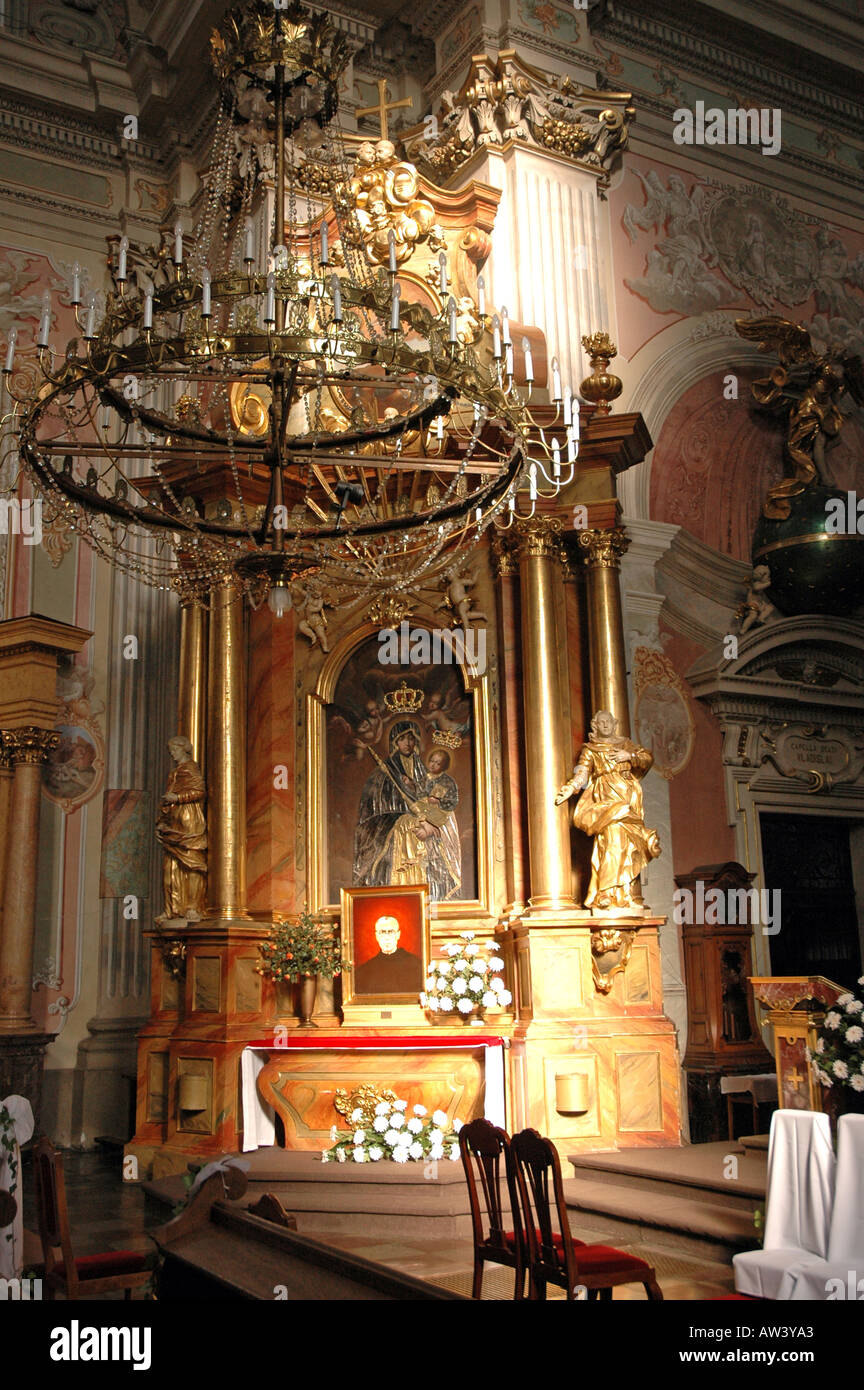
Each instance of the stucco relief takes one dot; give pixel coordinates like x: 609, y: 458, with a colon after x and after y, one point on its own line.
x: 716, y: 242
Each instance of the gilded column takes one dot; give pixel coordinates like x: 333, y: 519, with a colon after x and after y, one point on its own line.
x: 192, y: 694
x: 547, y: 738
x: 512, y: 721
x: 226, y: 753
x: 26, y: 749
x: 602, y: 551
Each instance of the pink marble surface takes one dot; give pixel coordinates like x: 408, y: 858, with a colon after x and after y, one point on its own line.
x: 271, y: 743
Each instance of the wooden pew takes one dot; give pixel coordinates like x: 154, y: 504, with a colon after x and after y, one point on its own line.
x: 214, y: 1250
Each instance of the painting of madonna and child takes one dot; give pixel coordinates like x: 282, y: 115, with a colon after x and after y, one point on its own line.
x: 401, y: 781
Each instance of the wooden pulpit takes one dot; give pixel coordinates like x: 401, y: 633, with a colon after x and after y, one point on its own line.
x: 722, y: 1036
x: 797, y: 1005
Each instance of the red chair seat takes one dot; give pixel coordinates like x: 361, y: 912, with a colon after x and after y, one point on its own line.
x: 605, y: 1259
x: 104, y: 1266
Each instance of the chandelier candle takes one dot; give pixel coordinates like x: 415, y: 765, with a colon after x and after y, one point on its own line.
x: 529, y: 361
x: 394, y: 308
x: 481, y: 296
x: 76, y: 285
x: 121, y: 260
x: 505, y: 327
x: 206, y: 310
x: 249, y: 241
x: 556, y: 382
x: 442, y: 267
x: 178, y: 243
x: 10, y: 350
x: 147, y: 316
x: 325, y: 245
x: 44, y: 336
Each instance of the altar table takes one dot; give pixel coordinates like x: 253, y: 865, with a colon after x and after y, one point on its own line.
x: 318, y: 1065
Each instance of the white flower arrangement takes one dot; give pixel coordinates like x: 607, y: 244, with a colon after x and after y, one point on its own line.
x: 384, y: 1133
x: 467, y: 981
x: 838, y: 1057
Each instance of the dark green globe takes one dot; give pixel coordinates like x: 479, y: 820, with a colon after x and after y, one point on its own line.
x: 812, y: 570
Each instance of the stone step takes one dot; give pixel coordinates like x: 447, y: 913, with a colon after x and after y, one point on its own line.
x: 719, y: 1172
x: 706, y: 1230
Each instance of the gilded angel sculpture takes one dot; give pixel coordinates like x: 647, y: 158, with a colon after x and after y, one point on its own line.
x: 608, y: 774
x: 809, y: 388
x: 181, y: 829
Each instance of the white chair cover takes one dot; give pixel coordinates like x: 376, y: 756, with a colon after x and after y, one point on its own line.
x: 12, y: 1251
x: 845, y: 1259
x: 800, y: 1195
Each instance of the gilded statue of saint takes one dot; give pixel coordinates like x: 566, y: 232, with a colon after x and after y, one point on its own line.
x: 181, y: 829
x: 608, y: 773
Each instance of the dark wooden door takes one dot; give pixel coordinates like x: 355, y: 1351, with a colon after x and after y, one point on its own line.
x: 808, y: 858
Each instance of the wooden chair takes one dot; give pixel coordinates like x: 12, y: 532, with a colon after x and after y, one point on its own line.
x: 86, y: 1276
x: 482, y: 1147
x: 554, y: 1257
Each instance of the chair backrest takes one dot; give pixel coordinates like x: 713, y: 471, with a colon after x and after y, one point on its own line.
x: 538, y: 1172
x: 483, y: 1146
x: 800, y: 1195
x: 51, y: 1207
x: 846, y: 1240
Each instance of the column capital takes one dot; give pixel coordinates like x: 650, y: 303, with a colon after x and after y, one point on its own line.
x: 603, y: 549
x: 504, y: 555
x: 538, y: 537
x: 29, y: 744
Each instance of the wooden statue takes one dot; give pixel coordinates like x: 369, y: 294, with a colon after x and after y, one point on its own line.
x: 181, y: 829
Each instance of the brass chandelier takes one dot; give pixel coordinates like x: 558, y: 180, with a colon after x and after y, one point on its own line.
x: 222, y: 414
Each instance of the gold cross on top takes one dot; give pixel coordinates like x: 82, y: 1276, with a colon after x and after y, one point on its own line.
x: 383, y: 107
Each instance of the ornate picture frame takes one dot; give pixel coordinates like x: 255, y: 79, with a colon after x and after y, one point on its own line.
x: 386, y: 947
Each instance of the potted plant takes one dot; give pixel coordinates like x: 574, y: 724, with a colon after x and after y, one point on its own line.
x: 838, y: 1057
x: 465, y: 983
x: 301, y: 952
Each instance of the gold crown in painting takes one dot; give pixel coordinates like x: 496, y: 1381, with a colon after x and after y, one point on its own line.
x: 447, y: 739
x: 405, y: 700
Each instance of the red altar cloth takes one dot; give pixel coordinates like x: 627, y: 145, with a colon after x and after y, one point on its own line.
x: 379, y: 1041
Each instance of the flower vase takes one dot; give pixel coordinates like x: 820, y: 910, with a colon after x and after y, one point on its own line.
x: 475, y: 1016
x: 308, y: 993
x: 286, y: 999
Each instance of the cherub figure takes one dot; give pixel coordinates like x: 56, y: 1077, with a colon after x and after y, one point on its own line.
x: 459, y: 599
x: 757, y: 607
x: 808, y: 388
x: 309, y: 602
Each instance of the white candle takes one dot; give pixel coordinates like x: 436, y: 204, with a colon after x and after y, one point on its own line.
x: 206, y: 310
x: 568, y: 405
x: 76, y: 284
x: 556, y: 459
x: 10, y: 349
x: 249, y: 242
x: 481, y: 295
x: 394, y: 308
x: 572, y: 445
x: 178, y: 243
x: 121, y: 259
x: 325, y: 245
x: 529, y: 361
x: 391, y: 248
x: 45, y: 321
x: 442, y: 266
x: 496, y: 337
x: 270, y: 303
x: 147, y: 317
x: 452, y: 335
x: 478, y: 515
x: 532, y: 482
x: 439, y: 427
x: 508, y: 359
x: 90, y: 325
x: 556, y: 381
x: 337, y: 298
x: 505, y: 327
x: 575, y: 422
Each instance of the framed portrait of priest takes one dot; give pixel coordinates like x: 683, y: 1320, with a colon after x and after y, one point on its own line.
x: 386, y: 947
